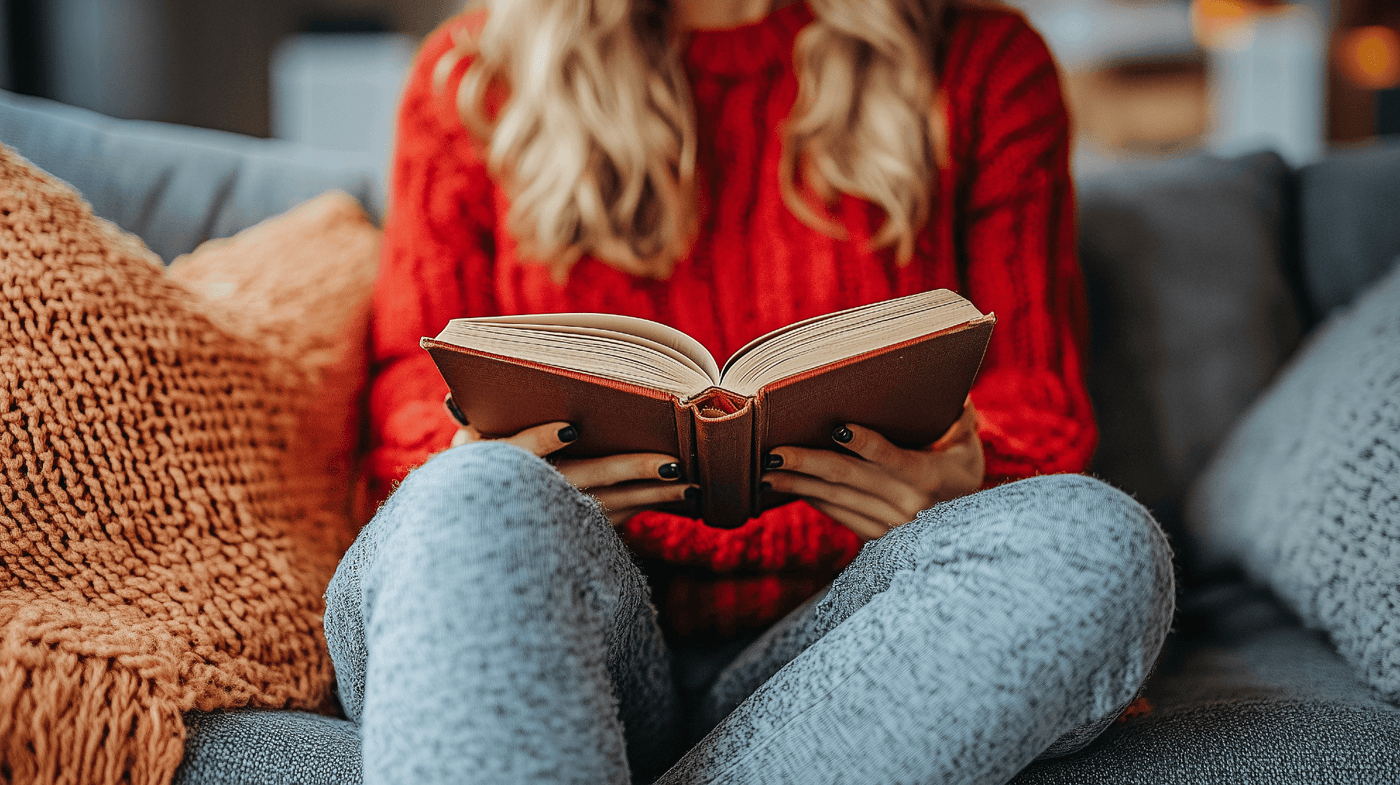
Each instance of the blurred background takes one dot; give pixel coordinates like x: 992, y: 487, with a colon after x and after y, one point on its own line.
x: 1145, y: 78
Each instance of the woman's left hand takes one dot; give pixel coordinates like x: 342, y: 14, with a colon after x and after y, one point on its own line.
x: 886, y: 486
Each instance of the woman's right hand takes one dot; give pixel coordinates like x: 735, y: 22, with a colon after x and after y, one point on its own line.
x: 625, y: 484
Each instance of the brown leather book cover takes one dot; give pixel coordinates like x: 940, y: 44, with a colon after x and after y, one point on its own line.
x: 911, y: 392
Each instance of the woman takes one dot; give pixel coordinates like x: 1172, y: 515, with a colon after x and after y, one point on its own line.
x: 729, y: 167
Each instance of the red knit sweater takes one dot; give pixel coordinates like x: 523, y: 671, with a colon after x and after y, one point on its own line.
x: 1002, y: 233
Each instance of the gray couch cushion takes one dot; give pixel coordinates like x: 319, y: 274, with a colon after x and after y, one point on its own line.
x: 1190, y: 311
x: 175, y: 186
x: 263, y: 747
x: 1305, y: 493
x: 1349, y: 222
x: 1257, y: 700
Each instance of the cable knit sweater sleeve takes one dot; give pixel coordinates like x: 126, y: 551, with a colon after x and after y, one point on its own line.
x: 439, y: 233
x: 1017, y: 219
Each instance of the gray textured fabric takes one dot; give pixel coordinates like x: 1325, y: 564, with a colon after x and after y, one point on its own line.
x: 260, y: 747
x: 489, y: 626
x: 175, y: 186
x: 1349, y: 222
x: 954, y: 649
x: 1190, y: 309
x: 1305, y: 493
x: 1249, y: 699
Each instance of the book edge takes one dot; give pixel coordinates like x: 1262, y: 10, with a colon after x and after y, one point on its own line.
x: 988, y: 318
x: 429, y: 344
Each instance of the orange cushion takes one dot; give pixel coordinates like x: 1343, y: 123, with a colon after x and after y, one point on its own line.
x: 300, y: 285
x: 169, y: 507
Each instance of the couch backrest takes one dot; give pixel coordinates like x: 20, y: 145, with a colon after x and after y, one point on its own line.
x: 1191, y: 312
x: 1349, y: 222
x: 1203, y: 274
x: 176, y: 186
x: 1198, y: 291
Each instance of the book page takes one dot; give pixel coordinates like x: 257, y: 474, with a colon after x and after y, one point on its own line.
x: 823, y: 340
x: 596, y: 351
x: 667, y: 340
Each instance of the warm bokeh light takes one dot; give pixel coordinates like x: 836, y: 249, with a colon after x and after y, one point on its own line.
x: 1214, y: 20
x: 1369, y: 57
x: 1229, y: 24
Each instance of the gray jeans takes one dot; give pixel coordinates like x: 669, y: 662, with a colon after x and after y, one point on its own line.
x: 490, y: 626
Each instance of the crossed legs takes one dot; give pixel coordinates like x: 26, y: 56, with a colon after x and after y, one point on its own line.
x: 489, y: 625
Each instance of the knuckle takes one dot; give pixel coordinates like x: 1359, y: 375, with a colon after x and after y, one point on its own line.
x: 842, y: 472
x: 846, y: 496
x: 910, y: 505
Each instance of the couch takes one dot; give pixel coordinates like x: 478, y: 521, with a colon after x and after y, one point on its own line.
x: 1204, y: 276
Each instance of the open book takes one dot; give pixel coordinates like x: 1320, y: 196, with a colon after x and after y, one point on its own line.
x: 902, y: 367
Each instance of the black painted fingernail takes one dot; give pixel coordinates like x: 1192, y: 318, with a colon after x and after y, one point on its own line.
x: 454, y: 411
x: 842, y: 434
x: 568, y: 434
x: 692, y: 495
x: 765, y: 486
x: 773, y: 461
x: 669, y: 471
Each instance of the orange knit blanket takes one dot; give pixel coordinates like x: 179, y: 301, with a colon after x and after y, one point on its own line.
x: 148, y: 564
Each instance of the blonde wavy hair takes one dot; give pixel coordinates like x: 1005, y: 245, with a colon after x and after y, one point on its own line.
x: 596, y: 141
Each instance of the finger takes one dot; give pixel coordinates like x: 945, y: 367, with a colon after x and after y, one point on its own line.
x: 640, y: 495
x: 863, y: 527
x: 872, y: 447
x: 613, y: 469
x: 840, y: 469
x: 810, y: 487
x: 544, y: 439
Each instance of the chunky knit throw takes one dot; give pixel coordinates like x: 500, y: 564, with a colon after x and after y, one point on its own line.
x: 148, y: 559
x: 300, y: 285
x: 1002, y: 233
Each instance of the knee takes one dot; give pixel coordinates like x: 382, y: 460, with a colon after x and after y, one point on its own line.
x: 486, y: 484
x: 1100, y: 546
x: 477, y: 500
x: 1079, y: 514
x: 473, y: 473
x: 1090, y: 525
x: 1073, y: 532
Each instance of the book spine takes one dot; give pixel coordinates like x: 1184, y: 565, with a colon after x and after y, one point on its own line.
x: 685, y: 451
x: 724, y: 440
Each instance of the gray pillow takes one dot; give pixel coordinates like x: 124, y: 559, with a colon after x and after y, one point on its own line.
x: 1305, y: 492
